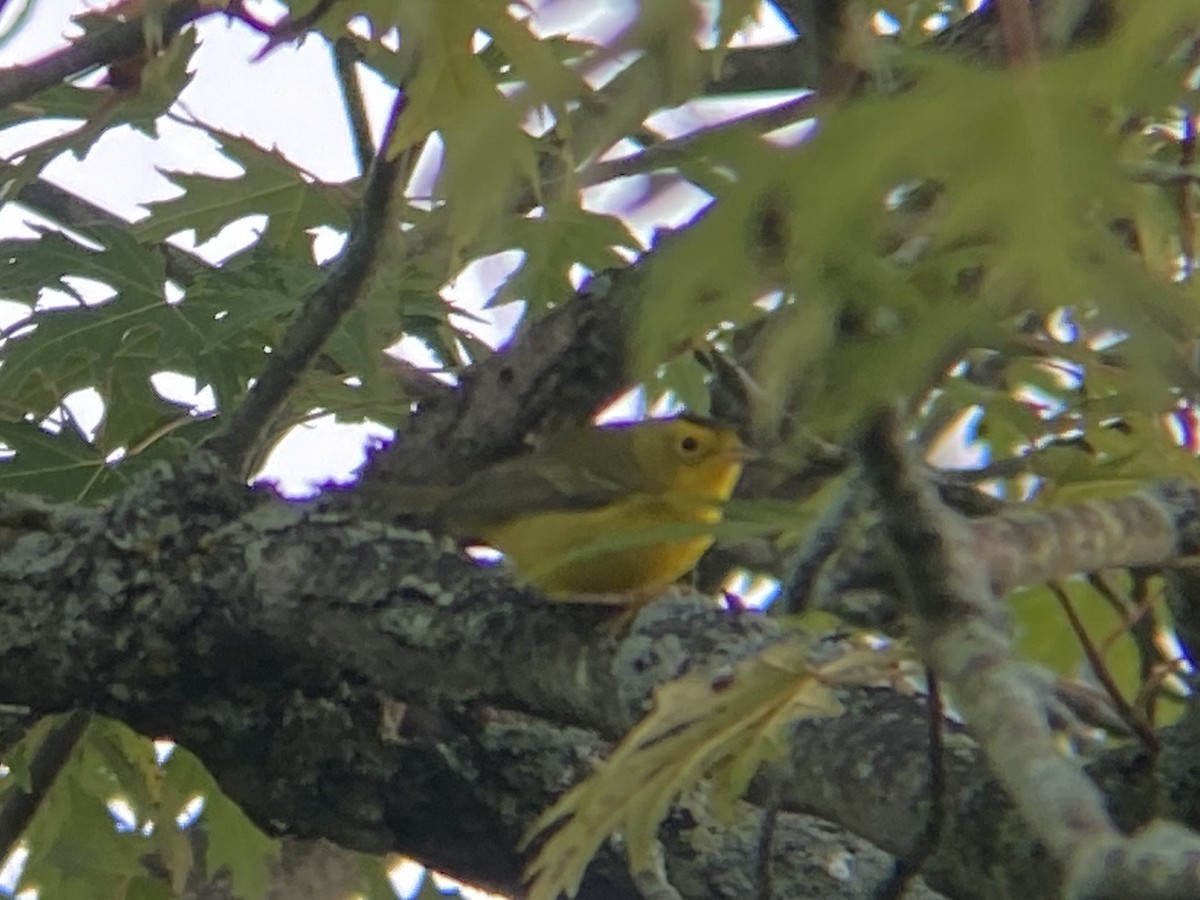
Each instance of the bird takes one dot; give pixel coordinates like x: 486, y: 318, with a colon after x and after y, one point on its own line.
x: 604, y: 511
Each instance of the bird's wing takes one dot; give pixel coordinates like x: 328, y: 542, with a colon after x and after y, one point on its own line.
x: 526, y: 485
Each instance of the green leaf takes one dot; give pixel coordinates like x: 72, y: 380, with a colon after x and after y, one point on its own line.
x: 18, y: 756
x: 487, y: 156
x: 724, y: 725
x: 1027, y: 179
x: 123, y: 760
x: 1141, y: 63
x: 59, y: 467
x: 270, y: 185
x: 173, y: 851
x: 1044, y: 634
x: 729, y: 255
x: 162, y: 79
x: 374, y: 881
x: 186, y: 776
x: 542, y: 64
x: 73, y: 838
x: 1006, y: 423
x: 562, y: 236
x: 732, y: 16
x: 83, y: 347
x: 687, y: 379
x: 63, y: 101
x: 113, y: 347
x: 233, y: 841
x: 216, y: 333
x: 1116, y: 461
x: 236, y: 845
x: 149, y: 889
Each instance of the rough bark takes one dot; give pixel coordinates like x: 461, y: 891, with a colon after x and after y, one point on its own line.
x: 367, y: 684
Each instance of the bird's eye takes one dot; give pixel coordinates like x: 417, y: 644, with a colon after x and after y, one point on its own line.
x: 689, y: 444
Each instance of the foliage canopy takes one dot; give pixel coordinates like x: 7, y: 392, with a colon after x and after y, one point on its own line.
x: 1011, y: 247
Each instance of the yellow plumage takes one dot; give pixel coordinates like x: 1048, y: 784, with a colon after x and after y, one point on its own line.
x: 605, y: 510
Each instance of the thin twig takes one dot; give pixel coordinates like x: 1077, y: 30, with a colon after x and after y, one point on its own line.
x: 1145, y: 629
x: 821, y: 541
x: 239, y: 442
x: 155, y: 435
x: 1137, y: 620
x: 1009, y: 467
x: 1017, y: 32
x: 1124, y: 710
x: 345, y: 56
x: 766, y: 838
x: 283, y: 31
x: 74, y: 212
x: 962, y: 632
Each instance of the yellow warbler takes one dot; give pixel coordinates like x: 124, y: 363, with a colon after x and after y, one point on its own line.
x: 569, y: 515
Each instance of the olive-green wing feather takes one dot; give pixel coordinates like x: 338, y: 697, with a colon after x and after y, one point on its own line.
x: 528, y: 484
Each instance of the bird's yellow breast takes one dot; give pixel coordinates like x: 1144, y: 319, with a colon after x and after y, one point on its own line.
x: 609, y: 550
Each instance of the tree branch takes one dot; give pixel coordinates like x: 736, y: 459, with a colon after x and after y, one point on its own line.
x: 569, y: 362
x: 74, y: 212
x: 242, y: 436
x: 345, y: 55
x: 398, y: 697
x: 964, y: 635
x: 116, y: 42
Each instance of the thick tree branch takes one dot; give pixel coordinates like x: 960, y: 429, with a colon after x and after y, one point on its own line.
x: 121, y: 40
x: 569, y: 362
x: 384, y: 718
x: 1030, y: 546
x: 963, y: 633
x: 396, y: 697
x: 841, y: 569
